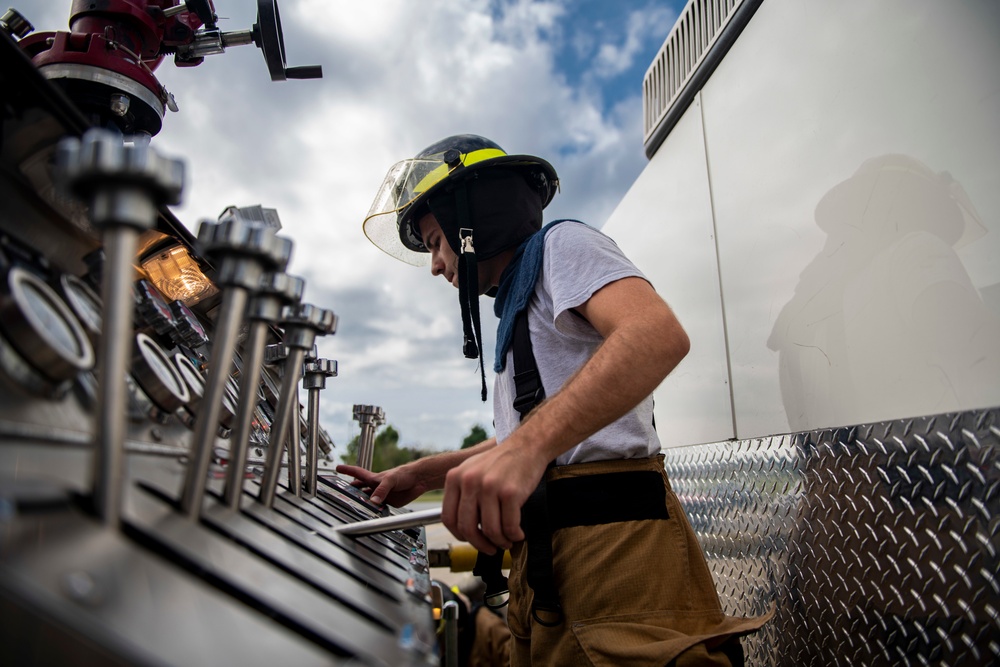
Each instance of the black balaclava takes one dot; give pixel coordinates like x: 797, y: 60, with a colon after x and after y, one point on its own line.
x: 492, y: 210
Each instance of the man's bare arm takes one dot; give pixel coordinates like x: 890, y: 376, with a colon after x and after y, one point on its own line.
x: 643, y: 342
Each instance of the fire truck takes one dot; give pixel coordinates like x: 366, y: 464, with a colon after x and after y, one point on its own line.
x: 821, y: 208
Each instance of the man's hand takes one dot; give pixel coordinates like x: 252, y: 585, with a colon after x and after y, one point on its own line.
x: 398, y: 486
x: 404, y: 484
x: 484, y: 495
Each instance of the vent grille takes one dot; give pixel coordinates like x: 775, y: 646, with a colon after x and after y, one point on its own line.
x: 696, y: 31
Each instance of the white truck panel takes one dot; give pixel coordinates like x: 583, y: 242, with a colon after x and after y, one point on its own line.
x: 853, y: 157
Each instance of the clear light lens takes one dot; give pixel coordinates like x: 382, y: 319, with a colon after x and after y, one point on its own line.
x: 178, y: 276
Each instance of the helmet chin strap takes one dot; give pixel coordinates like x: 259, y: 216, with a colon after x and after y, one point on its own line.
x: 468, y: 286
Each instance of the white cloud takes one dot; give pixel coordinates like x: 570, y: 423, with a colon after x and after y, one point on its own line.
x: 398, y: 75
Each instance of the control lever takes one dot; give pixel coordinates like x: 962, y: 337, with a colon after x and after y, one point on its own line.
x: 384, y: 524
x: 302, y: 324
x: 277, y: 355
x: 314, y: 378
x: 242, y: 251
x: 276, y: 291
x: 124, y: 187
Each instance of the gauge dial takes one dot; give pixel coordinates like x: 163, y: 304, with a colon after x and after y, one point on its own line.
x: 158, y: 377
x: 84, y: 302
x: 195, y: 382
x: 40, y: 325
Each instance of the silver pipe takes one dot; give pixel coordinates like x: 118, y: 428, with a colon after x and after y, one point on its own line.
x: 240, y: 439
x: 366, y: 444
x: 386, y: 523
x: 113, y: 359
x: 237, y: 38
x: 279, y: 429
x: 234, y: 304
x: 294, y: 443
x: 450, y: 614
x: 312, y: 458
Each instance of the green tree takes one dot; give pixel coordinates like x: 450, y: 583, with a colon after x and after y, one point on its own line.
x: 476, y: 435
x: 387, y: 454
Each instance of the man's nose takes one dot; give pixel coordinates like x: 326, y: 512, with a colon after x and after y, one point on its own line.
x: 437, y: 266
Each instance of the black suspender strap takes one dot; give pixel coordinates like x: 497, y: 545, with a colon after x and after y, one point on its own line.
x: 535, y: 523
x: 528, y: 390
x: 489, y: 569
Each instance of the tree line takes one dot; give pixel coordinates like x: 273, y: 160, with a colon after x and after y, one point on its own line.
x: 388, y: 453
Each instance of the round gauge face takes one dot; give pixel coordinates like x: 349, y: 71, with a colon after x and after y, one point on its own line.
x: 191, y: 375
x: 84, y: 302
x: 158, y: 377
x: 43, y: 328
x: 52, y: 320
x: 162, y: 367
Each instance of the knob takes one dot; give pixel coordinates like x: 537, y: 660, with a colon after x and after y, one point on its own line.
x: 275, y: 291
x: 316, y: 371
x: 303, y: 322
x: 233, y: 236
x: 89, y: 165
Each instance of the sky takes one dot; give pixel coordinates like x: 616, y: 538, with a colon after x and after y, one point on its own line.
x: 561, y: 79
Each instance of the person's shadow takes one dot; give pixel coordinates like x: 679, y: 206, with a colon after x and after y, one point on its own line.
x: 885, y: 322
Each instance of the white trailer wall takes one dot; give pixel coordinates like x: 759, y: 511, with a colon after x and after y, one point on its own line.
x: 846, y: 158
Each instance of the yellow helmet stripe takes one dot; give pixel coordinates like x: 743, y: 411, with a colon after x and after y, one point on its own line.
x: 467, y: 159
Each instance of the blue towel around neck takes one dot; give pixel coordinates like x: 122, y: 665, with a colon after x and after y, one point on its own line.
x: 517, y: 284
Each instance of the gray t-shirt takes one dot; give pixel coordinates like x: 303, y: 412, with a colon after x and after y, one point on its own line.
x: 578, y: 260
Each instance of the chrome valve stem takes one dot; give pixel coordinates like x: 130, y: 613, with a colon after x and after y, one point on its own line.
x: 302, y: 324
x: 314, y: 378
x: 243, y: 251
x: 124, y: 186
x: 277, y: 290
x: 369, y: 417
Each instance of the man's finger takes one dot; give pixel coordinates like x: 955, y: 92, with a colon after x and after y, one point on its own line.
x: 489, y: 521
x: 511, y: 520
x: 449, y: 506
x: 468, y: 519
x: 356, y: 472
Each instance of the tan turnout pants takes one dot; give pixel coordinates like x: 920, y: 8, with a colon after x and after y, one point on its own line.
x: 634, y: 593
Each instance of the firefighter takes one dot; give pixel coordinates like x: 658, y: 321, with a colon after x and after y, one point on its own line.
x: 606, y: 568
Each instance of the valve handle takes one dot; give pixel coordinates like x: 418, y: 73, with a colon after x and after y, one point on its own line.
x: 267, y: 35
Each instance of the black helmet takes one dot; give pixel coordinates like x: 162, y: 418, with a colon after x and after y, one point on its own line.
x: 411, y: 185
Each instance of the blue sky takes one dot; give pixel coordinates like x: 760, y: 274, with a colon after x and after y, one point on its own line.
x: 561, y: 79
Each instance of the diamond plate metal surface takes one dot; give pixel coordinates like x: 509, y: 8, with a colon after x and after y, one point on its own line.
x: 879, y: 543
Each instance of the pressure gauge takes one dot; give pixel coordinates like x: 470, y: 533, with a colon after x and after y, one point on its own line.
x: 158, y: 377
x: 196, y: 385
x: 84, y: 302
x: 193, y: 379
x: 42, y: 328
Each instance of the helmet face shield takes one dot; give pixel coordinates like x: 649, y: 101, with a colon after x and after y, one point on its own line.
x: 398, y: 191
x: 405, y: 183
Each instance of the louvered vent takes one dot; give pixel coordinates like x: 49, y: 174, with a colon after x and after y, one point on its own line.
x: 696, y: 31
